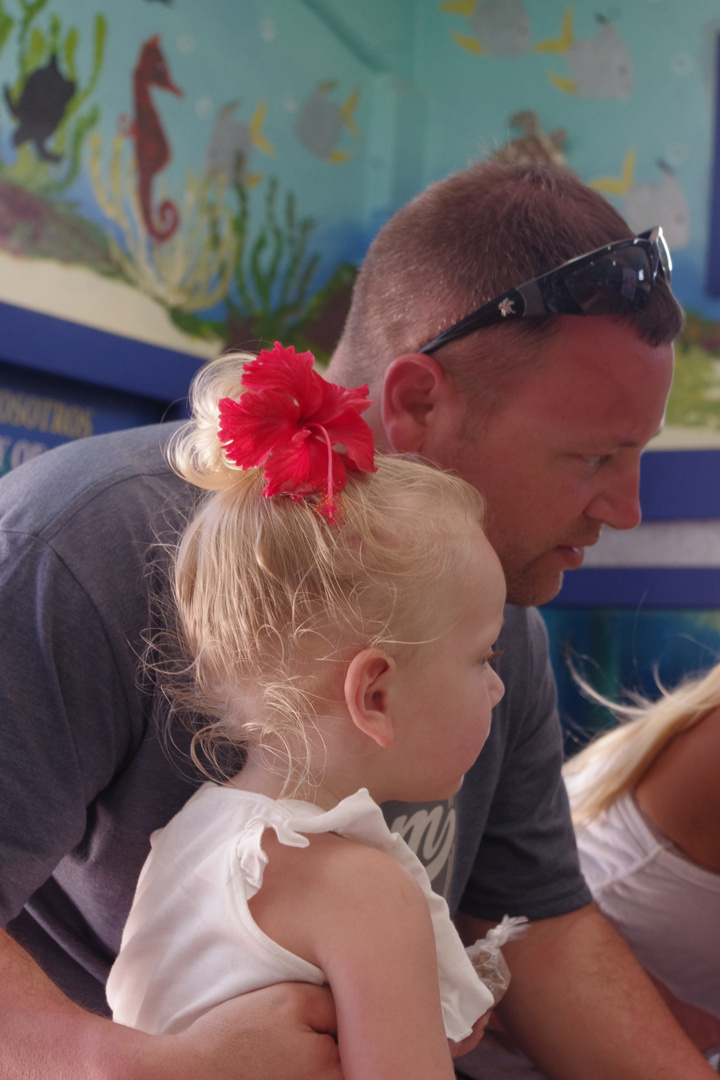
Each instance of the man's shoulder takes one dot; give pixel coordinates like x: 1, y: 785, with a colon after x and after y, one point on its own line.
x: 125, y: 470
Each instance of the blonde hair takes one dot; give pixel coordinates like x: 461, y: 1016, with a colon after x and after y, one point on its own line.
x: 271, y: 598
x: 617, y: 760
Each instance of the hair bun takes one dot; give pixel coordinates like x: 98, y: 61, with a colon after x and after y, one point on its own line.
x: 195, y: 452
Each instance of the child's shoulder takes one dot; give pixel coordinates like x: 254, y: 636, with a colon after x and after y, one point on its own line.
x: 348, y: 848
x: 336, y: 888
x: 337, y: 862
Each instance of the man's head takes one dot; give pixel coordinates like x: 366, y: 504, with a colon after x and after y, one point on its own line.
x: 496, y: 405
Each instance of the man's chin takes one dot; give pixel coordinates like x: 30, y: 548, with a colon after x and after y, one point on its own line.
x: 533, y: 590
x: 531, y: 584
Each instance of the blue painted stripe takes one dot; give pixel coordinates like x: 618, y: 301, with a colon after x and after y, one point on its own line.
x: 60, y: 347
x: 640, y: 587
x: 678, y: 485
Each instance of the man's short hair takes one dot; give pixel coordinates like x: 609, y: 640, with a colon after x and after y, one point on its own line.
x: 465, y: 240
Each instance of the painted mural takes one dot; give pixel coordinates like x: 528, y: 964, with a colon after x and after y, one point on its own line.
x: 203, y: 176
x: 198, y: 176
x: 141, y: 191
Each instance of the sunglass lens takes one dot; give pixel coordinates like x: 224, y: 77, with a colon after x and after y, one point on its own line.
x: 612, y: 284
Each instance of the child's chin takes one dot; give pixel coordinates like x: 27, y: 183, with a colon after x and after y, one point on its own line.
x: 447, y: 792
x: 430, y: 793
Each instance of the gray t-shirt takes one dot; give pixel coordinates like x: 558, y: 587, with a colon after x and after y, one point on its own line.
x: 86, y: 772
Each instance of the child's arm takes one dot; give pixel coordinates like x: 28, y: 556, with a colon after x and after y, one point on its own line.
x: 358, y: 915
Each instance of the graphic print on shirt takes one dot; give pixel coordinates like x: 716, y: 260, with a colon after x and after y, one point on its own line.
x: 430, y: 831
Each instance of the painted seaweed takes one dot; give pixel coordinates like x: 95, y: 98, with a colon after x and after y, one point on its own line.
x: 274, y: 271
x: 192, y: 270
x: 695, y: 395
x: 260, y: 277
x: 271, y: 298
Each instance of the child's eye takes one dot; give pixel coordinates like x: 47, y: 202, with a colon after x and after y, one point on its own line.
x: 493, y: 656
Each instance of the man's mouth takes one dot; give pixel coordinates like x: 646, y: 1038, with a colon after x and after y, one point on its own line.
x: 580, y: 545
x: 573, y: 554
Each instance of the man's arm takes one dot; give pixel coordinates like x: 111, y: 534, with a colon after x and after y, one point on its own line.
x: 700, y: 1027
x: 282, y: 1031
x: 580, y: 1005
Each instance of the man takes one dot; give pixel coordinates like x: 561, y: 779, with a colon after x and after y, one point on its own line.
x: 548, y: 417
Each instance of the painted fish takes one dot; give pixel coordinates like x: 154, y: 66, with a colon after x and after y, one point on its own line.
x: 599, y: 67
x: 500, y: 27
x: 321, y: 122
x: 40, y: 107
x: 647, y: 205
x: 232, y: 143
x: 664, y: 203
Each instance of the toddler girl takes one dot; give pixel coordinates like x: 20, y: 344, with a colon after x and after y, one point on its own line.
x: 338, y: 616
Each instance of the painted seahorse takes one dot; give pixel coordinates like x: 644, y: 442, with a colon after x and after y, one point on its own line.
x: 152, y: 151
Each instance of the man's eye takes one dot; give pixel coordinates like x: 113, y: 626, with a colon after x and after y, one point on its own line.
x: 595, y: 461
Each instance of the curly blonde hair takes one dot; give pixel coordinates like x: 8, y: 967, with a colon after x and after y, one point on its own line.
x: 273, y: 601
x: 617, y: 760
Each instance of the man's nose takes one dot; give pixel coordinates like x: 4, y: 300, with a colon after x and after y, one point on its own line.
x: 618, y: 502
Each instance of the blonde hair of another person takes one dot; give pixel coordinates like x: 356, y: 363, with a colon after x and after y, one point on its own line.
x: 617, y: 760
x: 273, y: 601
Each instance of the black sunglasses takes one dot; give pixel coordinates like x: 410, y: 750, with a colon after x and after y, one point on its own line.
x: 613, y: 280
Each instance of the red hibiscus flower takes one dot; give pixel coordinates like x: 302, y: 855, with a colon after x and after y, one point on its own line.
x: 303, y: 430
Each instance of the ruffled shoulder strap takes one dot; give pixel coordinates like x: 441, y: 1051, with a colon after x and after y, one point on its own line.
x: 293, y: 821
x: 285, y: 818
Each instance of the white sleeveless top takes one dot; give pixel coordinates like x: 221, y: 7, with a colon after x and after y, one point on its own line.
x: 666, y: 906
x: 190, y: 941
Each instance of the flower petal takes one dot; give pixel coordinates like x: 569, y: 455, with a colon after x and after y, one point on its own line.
x: 298, y: 467
x: 336, y: 400
x: 253, y: 426
x: 302, y: 469
x: 284, y: 369
x: 350, y: 430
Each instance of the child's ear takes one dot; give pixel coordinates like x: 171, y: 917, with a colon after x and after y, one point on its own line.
x: 368, y: 683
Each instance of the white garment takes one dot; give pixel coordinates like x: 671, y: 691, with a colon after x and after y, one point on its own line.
x: 190, y: 941
x: 665, y: 906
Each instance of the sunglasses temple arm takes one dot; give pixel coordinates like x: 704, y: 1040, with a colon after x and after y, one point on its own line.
x: 475, y: 321
x: 531, y: 298
x: 512, y: 305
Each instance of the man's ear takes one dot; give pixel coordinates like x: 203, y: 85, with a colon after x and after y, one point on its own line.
x: 416, y: 398
x: 368, y: 683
